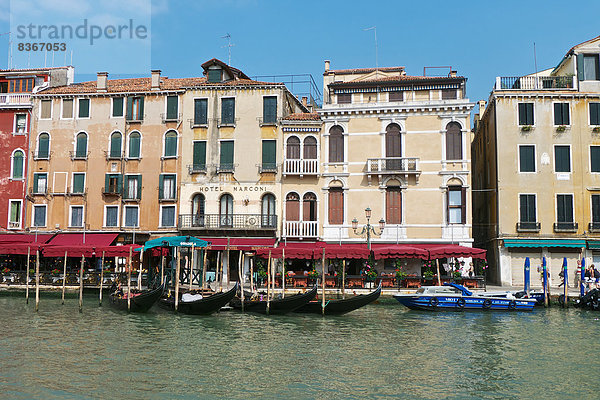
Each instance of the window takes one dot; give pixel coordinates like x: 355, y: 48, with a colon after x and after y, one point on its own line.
x: 40, y: 183
x: 17, y: 164
x: 527, y: 211
x: 39, y: 215
x: 199, y: 156
x: 596, y: 211
x: 562, y: 159
x: 111, y: 216
x: 588, y: 67
x: 310, y: 148
x: 449, y: 94
x: 396, y: 96
x: 112, y: 183
x: 81, y: 145
x: 564, y: 209
x: 167, y: 216
x: 344, y: 98
x: 117, y: 107
x: 269, y: 217
x: 43, y: 147
x: 561, y: 114
x: 198, y: 207
x: 393, y: 202
x: 393, y: 147
x: 78, y: 183
x: 595, y: 158
x: 292, y: 207
x: 526, y: 158
x: 336, y: 206
x: 336, y: 144
x: 21, y: 85
x: 131, y: 216
x: 14, y: 217
x: 172, y: 108
x: 226, y: 210
x: 84, y: 108
x: 135, y: 108
x: 269, y: 155
x: 115, y: 145
x: 594, y: 113
x: 226, y: 156
x: 67, y: 109
x: 20, y: 123
x: 167, y: 186
x: 453, y: 141
x: 133, y: 187
x: 170, y: 144
x: 46, y: 109
x: 269, y: 109
x: 200, y: 111
x: 214, y: 75
x: 526, y: 114
x: 309, y: 207
x: 456, y: 205
x: 134, y: 145
x: 293, y: 148
x: 228, y: 111
x: 76, y: 217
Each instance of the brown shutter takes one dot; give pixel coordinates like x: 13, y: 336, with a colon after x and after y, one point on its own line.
x: 453, y: 141
x: 394, y: 206
x: 336, y: 144
x: 310, y: 148
x: 293, y: 148
x: 292, y: 207
x: 336, y: 206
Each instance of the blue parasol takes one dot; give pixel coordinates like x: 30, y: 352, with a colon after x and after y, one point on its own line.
x: 527, y: 275
x: 175, y: 241
x: 582, y: 283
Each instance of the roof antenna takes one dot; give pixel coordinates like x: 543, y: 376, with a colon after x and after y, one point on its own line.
x: 374, y: 28
x: 229, y: 46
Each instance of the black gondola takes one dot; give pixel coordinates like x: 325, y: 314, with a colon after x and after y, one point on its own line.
x: 205, y: 305
x: 591, y: 300
x: 276, y: 306
x: 140, y: 302
x: 336, y: 307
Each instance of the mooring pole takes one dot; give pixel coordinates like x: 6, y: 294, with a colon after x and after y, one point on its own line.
x: 64, y: 277
x: 81, y: 284
x: 37, y: 280
x: 343, y: 278
x: 129, y: 266
x: 240, y: 273
x: 204, y: 251
x: 101, y: 279
x: 323, y: 283
x: 252, y: 274
x: 162, y: 268
x: 27, y: 277
x: 178, y: 250
x: 141, y: 266
x: 269, y: 283
x: 283, y: 273
x: 192, y: 265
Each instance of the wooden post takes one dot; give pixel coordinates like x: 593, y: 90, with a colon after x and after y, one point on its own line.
x: 37, y: 280
x: 177, y: 278
x: 268, y: 283
x: 437, y: 263
x: 162, y: 268
x: 141, y: 266
x: 240, y: 273
x: 81, y: 284
x: 101, y: 278
x: 192, y: 265
x: 323, y: 283
x: 343, y: 278
x: 64, y: 277
x: 252, y: 275
x: 283, y: 273
x: 129, y: 280
x: 228, y: 266
x: 27, y: 277
x: 204, y: 268
x: 218, y: 269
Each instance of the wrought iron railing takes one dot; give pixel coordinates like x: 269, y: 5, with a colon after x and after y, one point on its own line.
x: 196, y: 169
x: 227, y: 221
x: 565, y: 226
x: 594, y: 227
x: 534, y: 82
x: 528, y: 226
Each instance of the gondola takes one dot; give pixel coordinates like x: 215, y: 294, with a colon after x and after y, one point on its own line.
x: 140, y: 302
x: 277, y: 305
x: 340, y: 306
x: 205, y: 305
x: 590, y: 301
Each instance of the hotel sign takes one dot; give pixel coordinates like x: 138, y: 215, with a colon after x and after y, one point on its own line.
x: 236, y: 188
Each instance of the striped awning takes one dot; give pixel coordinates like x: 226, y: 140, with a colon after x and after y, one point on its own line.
x: 538, y: 243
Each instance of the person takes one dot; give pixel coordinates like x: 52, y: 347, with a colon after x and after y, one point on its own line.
x: 596, y: 277
x: 562, y: 276
x: 577, y: 278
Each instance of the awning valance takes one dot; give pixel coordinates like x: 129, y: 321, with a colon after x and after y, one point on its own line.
x: 385, y: 250
x: 451, y: 250
x: 538, y: 243
x: 19, y: 243
x: 300, y: 250
x: 77, y: 244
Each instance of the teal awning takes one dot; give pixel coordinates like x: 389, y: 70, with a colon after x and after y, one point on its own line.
x: 593, y: 244
x: 545, y: 243
x: 175, y: 241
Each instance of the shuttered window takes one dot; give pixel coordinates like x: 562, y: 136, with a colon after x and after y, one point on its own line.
x: 310, y: 148
x: 46, y: 109
x: 117, y: 107
x: 167, y: 186
x: 564, y: 208
x: 268, y: 216
x: 214, y: 75
x: 43, y: 146
x: 40, y: 182
x: 526, y: 114
x: 132, y: 187
x: 228, y: 111
x: 309, y: 207
x: 594, y: 113
x: 336, y: 144
x: 596, y: 208
x: 67, y: 109
x: 393, y: 202
x: 131, y: 216
x: 113, y: 183
x: 18, y: 164
x: 115, y: 145
x: 292, y: 207
x: 226, y: 156
x: 200, y: 111
x: 588, y: 67
x: 526, y: 158
x: 562, y: 158
x: 561, y: 114
x: 81, y: 145
x: 595, y: 158
x: 344, y: 98
x: 111, y: 216
x: 39, y: 215
x: 293, y: 148
x: 336, y: 206
x: 134, y: 145
x: 527, y: 206
x: 135, y: 108
x: 172, y: 108
x: 84, y: 108
x: 78, y: 182
x: 76, y: 216
x: 171, y: 144
x: 269, y: 109
x: 456, y: 205
x: 167, y: 216
x: 199, y: 156
x: 453, y: 141
x: 269, y: 154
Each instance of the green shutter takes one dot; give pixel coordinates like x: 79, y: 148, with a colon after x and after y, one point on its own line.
x: 134, y: 145
x: 141, y: 116
x: 226, y: 155
x: 81, y: 147
x: 580, y: 68
x: 214, y: 75
x: 84, y: 108
x: 269, y: 109
x: 161, y: 186
x: 269, y: 154
x: 594, y: 113
x: 35, y: 182
x: 117, y: 107
x: 227, y: 111
x: 557, y: 114
x: 172, y: 107
x: 529, y: 108
x: 129, y: 116
x: 200, y: 112
x: 171, y: 144
x: 106, y: 182
x: 119, y: 183
x: 78, y: 183
x: 199, y: 157
x: 522, y: 114
x: 18, y: 165
x: 139, y: 186
x: 115, y: 145
x: 43, y: 145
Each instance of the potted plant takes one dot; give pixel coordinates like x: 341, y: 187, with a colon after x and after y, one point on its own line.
x: 596, y: 129
x: 401, y: 274
x: 561, y: 128
x: 526, y: 128
x: 55, y: 272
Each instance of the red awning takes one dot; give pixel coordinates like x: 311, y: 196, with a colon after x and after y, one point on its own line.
x: 451, y: 250
x: 386, y: 250
x: 118, y: 251
x: 74, y: 245
x: 294, y: 250
x: 345, y: 250
x: 18, y: 243
x: 244, y: 244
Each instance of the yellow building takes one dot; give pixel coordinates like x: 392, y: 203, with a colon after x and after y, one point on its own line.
x: 536, y: 168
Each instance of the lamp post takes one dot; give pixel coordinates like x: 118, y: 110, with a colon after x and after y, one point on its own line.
x: 368, y: 229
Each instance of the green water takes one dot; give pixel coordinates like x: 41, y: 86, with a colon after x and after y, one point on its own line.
x: 380, y: 351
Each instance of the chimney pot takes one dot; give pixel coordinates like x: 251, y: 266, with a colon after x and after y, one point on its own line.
x: 101, y: 79
x: 305, y: 101
x: 481, y: 108
x: 452, y: 74
x: 327, y: 62
x: 155, y: 84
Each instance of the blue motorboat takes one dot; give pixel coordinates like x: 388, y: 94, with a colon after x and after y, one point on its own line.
x: 454, y: 297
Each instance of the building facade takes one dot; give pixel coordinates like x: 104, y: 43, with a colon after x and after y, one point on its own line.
x: 537, y: 168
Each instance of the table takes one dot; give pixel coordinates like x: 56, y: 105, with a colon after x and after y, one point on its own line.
x: 355, y: 281
x: 299, y: 280
x: 387, y: 281
x: 330, y: 280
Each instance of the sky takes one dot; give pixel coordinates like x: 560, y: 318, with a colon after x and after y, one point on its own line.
x: 480, y: 40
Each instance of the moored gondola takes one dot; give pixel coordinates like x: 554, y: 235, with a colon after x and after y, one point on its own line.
x: 340, y: 306
x: 205, y: 305
x: 140, y: 301
x: 277, y: 305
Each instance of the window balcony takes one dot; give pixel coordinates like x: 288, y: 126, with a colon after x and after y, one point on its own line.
x: 110, y: 156
x: 42, y: 155
x: 197, y: 124
x: 165, y: 117
x: 111, y: 190
x: 15, y: 99
x: 267, y: 168
x: 14, y: 225
x: 196, y: 169
x: 301, y: 229
x: 300, y: 167
x: 535, y: 82
x: 39, y: 191
x: 565, y: 227
x: 227, y: 221
x: 78, y: 156
x: 392, y: 166
x: 267, y: 122
x: 528, y: 226
x: 226, y: 168
x: 227, y: 123
x: 594, y: 227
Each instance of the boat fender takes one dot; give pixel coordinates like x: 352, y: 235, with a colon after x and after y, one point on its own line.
x: 460, y: 303
x: 487, y: 304
x: 434, y: 301
x: 512, y: 305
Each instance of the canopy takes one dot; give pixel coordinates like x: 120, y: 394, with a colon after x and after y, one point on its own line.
x: 452, y: 250
x: 334, y: 250
x: 174, y: 241
x: 236, y: 243
x: 384, y: 250
x: 539, y: 243
x: 18, y: 243
x: 77, y: 244
x: 299, y: 250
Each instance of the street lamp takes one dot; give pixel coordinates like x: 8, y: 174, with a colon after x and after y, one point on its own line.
x: 368, y: 229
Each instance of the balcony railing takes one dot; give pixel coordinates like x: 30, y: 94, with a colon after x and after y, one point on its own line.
x: 535, y: 82
x: 14, y: 99
x: 198, y: 123
x: 594, y: 227
x: 267, y: 167
x: 528, y: 226
x: 225, y: 167
x: 226, y: 123
x: 227, y: 221
x: 109, y: 155
x: 165, y: 117
x: 300, y: 167
x: 565, y: 226
x: 42, y: 155
x: 196, y: 169
x: 112, y: 190
x: 78, y: 156
x: 393, y: 165
x: 39, y: 191
x: 301, y: 229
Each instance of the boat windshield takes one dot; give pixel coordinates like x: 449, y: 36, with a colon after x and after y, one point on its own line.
x: 437, y: 289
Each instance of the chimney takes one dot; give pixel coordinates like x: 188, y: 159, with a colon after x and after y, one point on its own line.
x: 481, y: 108
x: 305, y: 101
x: 452, y: 74
x: 102, y: 77
x: 155, y: 85
x: 327, y: 62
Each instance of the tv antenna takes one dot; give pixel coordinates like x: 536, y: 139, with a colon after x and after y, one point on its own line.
x: 229, y: 45
x: 374, y: 29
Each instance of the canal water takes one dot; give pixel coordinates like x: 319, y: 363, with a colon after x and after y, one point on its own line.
x: 382, y: 351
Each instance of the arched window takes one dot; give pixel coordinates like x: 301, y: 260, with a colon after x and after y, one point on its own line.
x: 292, y: 207
x: 226, y: 210
x: 115, y: 145
x: 393, y: 147
x: 293, y: 148
x: 393, y: 205
x: 310, y: 148
x: 43, y: 147
x: 453, y: 141
x: 269, y: 218
x: 336, y: 144
x: 81, y: 145
x: 309, y: 207
x: 134, y: 145
x: 170, y: 144
x: 198, y: 210
x: 17, y: 164
x: 336, y: 206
